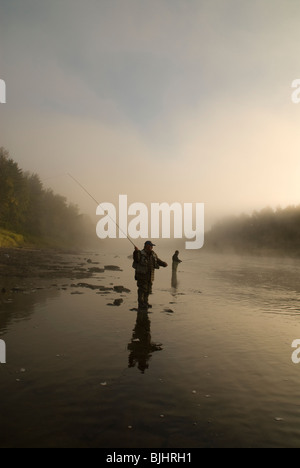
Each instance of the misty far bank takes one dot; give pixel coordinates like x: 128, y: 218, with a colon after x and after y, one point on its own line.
x: 267, y: 232
x: 33, y: 216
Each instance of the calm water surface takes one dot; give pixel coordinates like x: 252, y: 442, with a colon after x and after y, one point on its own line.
x: 210, y: 366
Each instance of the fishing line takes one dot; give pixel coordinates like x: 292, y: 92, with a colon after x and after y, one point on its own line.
x: 98, y: 204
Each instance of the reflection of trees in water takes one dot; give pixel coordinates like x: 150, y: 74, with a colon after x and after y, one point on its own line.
x: 20, y: 305
x: 141, y: 347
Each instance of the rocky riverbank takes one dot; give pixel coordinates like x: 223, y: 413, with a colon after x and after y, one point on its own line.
x: 25, y: 271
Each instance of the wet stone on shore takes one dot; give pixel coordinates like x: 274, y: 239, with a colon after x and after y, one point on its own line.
x: 25, y: 271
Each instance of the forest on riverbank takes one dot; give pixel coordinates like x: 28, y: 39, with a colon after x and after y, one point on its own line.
x: 265, y: 232
x: 32, y: 215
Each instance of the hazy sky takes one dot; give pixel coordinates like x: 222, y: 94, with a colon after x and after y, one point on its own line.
x: 162, y: 100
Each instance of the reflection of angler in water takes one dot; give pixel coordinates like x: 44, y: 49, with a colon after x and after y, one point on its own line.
x: 141, y: 347
x: 174, y: 279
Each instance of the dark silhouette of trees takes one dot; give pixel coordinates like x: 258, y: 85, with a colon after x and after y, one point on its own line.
x: 265, y: 232
x: 28, y: 209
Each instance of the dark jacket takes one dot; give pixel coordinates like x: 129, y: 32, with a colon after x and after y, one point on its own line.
x: 145, y: 265
x: 176, y: 259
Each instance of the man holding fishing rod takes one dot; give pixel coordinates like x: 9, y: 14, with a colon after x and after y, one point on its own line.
x: 145, y: 262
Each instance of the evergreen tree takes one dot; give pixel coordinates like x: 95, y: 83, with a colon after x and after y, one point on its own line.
x: 28, y: 209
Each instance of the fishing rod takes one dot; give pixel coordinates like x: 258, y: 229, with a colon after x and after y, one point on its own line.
x: 98, y: 204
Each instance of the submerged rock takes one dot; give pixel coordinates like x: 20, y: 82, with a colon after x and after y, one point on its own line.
x: 116, y: 303
x: 96, y: 270
x: 121, y: 289
x: 169, y: 311
x: 93, y: 287
x: 112, y: 268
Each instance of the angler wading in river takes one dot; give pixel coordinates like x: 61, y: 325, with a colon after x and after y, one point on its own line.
x: 145, y: 262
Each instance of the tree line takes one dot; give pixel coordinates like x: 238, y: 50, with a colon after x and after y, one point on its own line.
x: 37, y: 213
x: 264, y: 232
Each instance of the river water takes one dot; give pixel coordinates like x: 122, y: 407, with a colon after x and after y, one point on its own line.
x: 209, y: 366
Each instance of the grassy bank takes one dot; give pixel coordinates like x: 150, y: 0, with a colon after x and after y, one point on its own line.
x: 10, y: 239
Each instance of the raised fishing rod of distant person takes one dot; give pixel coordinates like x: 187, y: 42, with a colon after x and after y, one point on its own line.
x: 98, y: 204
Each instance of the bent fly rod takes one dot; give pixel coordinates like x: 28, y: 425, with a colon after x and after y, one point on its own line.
x: 98, y: 204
